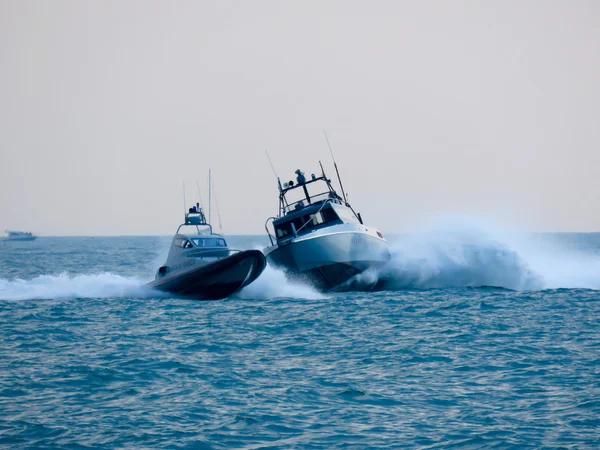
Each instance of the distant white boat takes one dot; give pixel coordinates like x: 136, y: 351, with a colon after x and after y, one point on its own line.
x: 20, y: 236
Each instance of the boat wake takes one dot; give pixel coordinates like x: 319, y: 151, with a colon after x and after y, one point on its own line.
x: 466, y: 256
x: 102, y: 285
x: 455, y: 261
x: 271, y: 284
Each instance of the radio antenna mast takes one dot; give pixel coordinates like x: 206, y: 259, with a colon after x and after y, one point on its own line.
x: 336, y: 168
x: 218, y: 212
x: 184, y: 203
x: 209, y: 192
x: 199, y: 194
x: 274, y: 172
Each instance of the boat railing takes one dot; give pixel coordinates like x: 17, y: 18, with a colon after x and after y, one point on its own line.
x: 267, y: 229
x: 198, y: 229
x: 322, y: 196
x: 196, y: 218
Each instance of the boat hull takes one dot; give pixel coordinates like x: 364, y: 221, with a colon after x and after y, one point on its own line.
x: 330, y: 261
x: 20, y: 239
x: 216, y: 280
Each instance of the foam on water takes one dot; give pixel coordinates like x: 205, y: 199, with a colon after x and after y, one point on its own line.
x: 273, y: 283
x: 102, y: 285
x: 458, y: 256
x: 560, y: 262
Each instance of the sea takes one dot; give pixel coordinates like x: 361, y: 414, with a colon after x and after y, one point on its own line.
x: 481, y: 339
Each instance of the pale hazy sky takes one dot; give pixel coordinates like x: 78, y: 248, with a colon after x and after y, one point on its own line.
x: 487, y: 108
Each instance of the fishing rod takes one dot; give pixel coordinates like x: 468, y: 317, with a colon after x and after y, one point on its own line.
x: 218, y: 211
x: 336, y: 168
x: 274, y: 172
x: 209, y: 195
x: 199, y: 194
x: 184, y: 204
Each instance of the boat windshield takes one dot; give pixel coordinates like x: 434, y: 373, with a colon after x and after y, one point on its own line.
x: 209, y: 242
x: 346, y: 214
x: 308, y: 222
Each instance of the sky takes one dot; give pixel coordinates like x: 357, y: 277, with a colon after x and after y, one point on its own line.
x: 433, y: 109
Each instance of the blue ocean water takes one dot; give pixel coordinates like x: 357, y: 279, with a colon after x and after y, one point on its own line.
x: 483, y: 340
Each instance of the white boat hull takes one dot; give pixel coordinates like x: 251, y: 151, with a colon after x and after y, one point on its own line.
x: 331, y: 257
x: 20, y: 239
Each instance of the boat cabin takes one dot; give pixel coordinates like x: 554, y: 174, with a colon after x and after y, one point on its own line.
x: 194, y: 240
x: 186, y: 241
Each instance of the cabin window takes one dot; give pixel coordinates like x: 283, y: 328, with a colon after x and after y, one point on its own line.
x: 329, y: 215
x: 311, y: 221
x: 283, y: 230
x: 320, y: 218
x: 317, y: 219
x: 299, y: 223
x: 210, y: 242
x: 183, y: 243
x: 346, y: 215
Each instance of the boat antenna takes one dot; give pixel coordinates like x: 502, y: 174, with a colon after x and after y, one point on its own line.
x: 184, y: 203
x: 209, y: 192
x: 336, y: 168
x: 199, y: 193
x: 218, y: 212
x: 274, y: 172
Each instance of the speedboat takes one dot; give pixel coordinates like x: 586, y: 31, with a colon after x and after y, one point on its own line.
x: 319, y: 238
x: 20, y: 236
x: 201, y: 266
